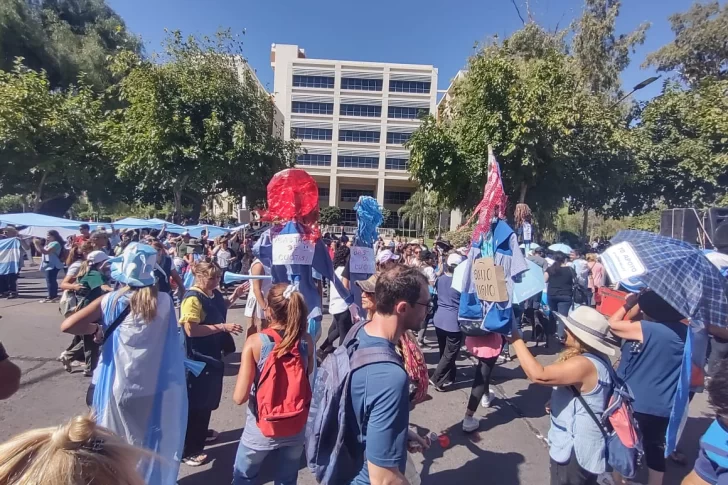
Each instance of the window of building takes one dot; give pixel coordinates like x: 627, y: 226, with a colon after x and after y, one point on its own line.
x: 352, y: 195
x: 407, y: 113
x: 324, y: 193
x: 360, y: 110
x: 361, y: 84
x: 314, y: 160
x: 396, y: 197
x: 311, y: 133
x: 409, y: 86
x: 398, y: 138
x: 393, y: 222
x: 358, y: 162
x: 359, y: 136
x: 397, y: 164
x: 313, y: 82
x: 348, y: 217
x: 312, y: 108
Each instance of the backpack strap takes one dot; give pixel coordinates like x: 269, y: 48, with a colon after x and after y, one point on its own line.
x: 374, y: 355
x: 589, y: 411
x: 351, y: 335
x: 115, y: 324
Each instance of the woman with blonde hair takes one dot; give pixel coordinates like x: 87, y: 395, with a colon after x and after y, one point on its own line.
x: 203, y: 316
x: 139, y: 389
x: 579, y: 376
x: 77, y: 452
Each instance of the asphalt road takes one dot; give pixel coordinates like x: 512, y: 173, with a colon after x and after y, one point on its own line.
x: 509, y: 448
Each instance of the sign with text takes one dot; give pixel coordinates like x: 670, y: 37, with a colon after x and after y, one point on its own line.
x: 292, y: 249
x: 361, y: 260
x: 489, y: 280
x: 622, y: 262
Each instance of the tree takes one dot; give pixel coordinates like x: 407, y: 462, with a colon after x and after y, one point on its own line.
x: 422, y: 209
x: 49, y: 139
x: 63, y: 37
x: 700, y: 48
x: 386, y: 214
x: 330, y: 216
x: 194, y: 122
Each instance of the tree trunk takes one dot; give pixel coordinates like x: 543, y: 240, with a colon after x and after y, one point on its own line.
x: 39, y: 191
x: 178, y: 189
x: 585, y: 222
x: 522, y: 195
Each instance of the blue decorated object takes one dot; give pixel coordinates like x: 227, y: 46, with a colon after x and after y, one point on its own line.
x: 369, y: 217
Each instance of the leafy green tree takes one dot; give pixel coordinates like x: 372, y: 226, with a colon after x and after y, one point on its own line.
x: 422, y: 209
x: 49, y: 139
x: 194, y: 123
x: 700, y: 48
x: 330, y: 216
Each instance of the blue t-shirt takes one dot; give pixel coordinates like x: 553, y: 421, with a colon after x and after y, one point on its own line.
x: 380, y: 400
x: 448, y: 304
x: 652, y: 367
x: 712, y: 462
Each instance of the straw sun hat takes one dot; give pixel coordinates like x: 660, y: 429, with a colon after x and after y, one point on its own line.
x: 592, y: 328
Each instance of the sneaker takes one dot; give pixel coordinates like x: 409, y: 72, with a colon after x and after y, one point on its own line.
x: 487, y: 399
x: 46, y: 300
x: 196, y: 460
x: 212, y: 436
x: 88, y: 373
x: 12, y: 296
x: 436, y: 387
x: 66, y: 360
x: 4, y: 295
x: 470, y: 424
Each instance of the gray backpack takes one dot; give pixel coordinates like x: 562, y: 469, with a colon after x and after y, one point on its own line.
x: 333, y: 453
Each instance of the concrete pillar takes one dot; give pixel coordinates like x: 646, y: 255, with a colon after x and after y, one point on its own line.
x: 333, y: 191
x: 380, y: 191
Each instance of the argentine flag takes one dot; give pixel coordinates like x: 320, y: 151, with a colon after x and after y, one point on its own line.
x: 11, y: 256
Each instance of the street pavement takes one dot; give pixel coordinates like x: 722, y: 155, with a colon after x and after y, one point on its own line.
x: 509, y: 448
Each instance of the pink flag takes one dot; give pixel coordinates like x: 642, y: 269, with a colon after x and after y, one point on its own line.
x: 494, y: 199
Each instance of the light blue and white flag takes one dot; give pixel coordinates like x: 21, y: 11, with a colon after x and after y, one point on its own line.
x: 11, y: 256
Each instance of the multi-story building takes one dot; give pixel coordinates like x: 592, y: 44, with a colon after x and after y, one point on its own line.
x: 352, y: 119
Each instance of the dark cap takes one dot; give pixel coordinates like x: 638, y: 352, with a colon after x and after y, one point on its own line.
x: 368, y: 285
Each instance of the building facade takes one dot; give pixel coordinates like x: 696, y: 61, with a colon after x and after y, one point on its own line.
x: 352, y: 119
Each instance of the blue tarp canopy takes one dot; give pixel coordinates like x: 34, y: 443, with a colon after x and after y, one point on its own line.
x: 136, y: 223
x: 212, y: 231
x: 41, y: 220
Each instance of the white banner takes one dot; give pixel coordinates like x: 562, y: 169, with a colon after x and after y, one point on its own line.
x: 292, y: 249
x: 622, y: 262
x: 361, y: 260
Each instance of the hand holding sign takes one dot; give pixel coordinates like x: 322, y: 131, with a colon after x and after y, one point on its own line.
x: 490, y: 281
x: 361, y: 260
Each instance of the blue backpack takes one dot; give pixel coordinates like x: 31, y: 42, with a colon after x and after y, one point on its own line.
x: 333, y: 453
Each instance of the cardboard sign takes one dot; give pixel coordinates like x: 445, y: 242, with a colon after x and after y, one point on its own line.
x: 489, y: 280
x: 622, y: 262
x: 361, y: 260
x: 292, y: 249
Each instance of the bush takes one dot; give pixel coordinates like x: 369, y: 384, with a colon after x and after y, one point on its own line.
x: 459, y: 238
x: 330, y: 216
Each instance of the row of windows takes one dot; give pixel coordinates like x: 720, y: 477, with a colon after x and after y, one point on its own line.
x: 352, y: 195
x: 359, y: 136
x: 314, y: 160
x: 361, y: 84
x: 348, y: 216
x: 360, y: 110
x: 311, y: 133
x: 396, y: 197
x: 358, y: 162
x: 397, y: 164
x: 398, y: 138
x: 407, y: 113
x: 312, y: 108
x: 323, y: 192
x: 313, y: 82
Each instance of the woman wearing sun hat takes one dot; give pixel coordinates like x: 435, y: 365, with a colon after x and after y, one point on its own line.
x: 140, y: 391
x: 576, y: 444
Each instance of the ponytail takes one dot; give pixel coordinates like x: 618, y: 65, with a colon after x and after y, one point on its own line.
x: 287, y: 308
x: 143, y: 301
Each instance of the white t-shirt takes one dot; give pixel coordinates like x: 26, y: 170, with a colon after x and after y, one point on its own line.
x: 72, y: 270
x: 429, y: 272
x: 223, y: 258
x: 336, y: 303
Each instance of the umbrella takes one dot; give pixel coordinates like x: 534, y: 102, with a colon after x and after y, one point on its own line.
x: 673, y: 269
x: 532, y: 283
x: 560, y: 247
x: 533, y: 246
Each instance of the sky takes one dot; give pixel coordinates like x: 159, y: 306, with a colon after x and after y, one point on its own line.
x: 402, y: 31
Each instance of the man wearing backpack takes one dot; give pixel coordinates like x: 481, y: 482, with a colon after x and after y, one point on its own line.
x: 369, y: 374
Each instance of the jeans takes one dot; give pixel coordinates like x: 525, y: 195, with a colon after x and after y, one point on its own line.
x: 248, y: 463
x: 449, y: 344
x: 560, y: 304
x: 9, y: 283
x: 481, y: 383
x: 52, y: 282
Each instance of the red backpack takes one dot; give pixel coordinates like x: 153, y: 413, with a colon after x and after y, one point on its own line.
x: 283, y: 392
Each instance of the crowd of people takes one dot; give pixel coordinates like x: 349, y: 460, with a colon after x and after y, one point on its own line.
x: 149, y: 379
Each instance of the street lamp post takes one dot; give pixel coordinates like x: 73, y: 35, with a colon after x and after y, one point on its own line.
x: 637, y: 87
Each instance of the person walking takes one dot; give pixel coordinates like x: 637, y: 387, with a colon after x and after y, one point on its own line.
x: 596, y: 277
x: 138, y: 390
x: 447, y: 329
x: 652, y: 353
x: 337, y: 307
x: 579, y: 376
x: 203, y: 316
x: 51, y: 262
x: 560, y: 292
x: 285, y: 346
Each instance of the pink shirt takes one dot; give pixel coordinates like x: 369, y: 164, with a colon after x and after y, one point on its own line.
x: 596, y: 275
x: 485, y: 347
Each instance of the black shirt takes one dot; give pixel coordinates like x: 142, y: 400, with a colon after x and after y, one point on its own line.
x: 561, y: 281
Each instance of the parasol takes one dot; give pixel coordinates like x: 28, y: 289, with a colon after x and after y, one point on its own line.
x: 560, y: 247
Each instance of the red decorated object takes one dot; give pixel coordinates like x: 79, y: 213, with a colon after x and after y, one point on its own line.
x: 494, y: 199
x: 293, y: 196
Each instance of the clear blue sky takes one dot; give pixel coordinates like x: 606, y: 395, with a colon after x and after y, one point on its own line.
x: 406, y: 31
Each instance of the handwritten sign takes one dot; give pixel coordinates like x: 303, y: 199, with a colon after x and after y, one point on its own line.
x: 490, y: 280
x: 622, y: 262
x: 292, y: 249
x: 361, y: 260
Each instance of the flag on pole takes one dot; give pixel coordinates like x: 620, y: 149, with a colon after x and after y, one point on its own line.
x: 494, y: 199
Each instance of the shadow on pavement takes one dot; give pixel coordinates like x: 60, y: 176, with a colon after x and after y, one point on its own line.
x: 222, y: 455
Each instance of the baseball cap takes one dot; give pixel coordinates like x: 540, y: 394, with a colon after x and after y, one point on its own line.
x: 415, y: 241
x: 96, y: 257
x: 368, y: 285
x: 385, y: 256
x: 454, y: 259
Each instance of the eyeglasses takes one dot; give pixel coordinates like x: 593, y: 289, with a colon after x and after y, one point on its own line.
x: 429, y: 305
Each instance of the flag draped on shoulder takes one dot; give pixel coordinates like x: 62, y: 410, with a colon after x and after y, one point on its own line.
x: 11, y: 256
